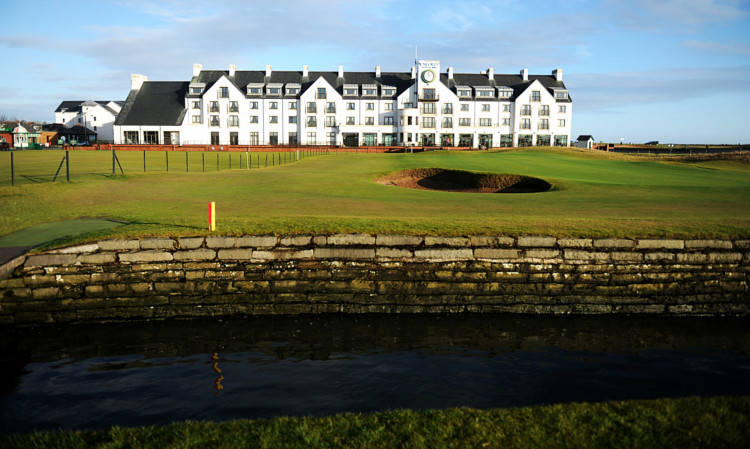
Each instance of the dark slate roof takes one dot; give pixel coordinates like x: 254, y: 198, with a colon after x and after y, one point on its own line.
x: 584, y: 137
x: 160, y: 103
x: 75, y: 105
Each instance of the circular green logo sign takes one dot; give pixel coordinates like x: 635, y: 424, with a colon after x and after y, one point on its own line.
x: 428, y: 76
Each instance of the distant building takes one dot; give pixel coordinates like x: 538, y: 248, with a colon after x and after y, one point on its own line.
x: 98, y: 116
x: 25, y: 136
x: 585, y: 141
x: 424, y: 106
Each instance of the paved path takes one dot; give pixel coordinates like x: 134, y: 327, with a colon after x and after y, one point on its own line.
x: 19, y: 243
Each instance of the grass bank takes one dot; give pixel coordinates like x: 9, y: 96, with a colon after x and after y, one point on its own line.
x: 719, y: 422
x: 594, y: 194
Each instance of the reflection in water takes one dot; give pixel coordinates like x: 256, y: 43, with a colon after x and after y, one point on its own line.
x: 158, y: 372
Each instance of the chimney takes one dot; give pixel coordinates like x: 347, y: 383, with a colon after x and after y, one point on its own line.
x: 377, y: 71
x: 232, y: 69
x: 305, y: 71
x: 557, y: 73
x: 525, y: 74
x: 491, y: 73
x: 341, y: 71
x: 197, y: 69
x: 450, y: 73
x: 136, y: 81
x: 413, y: 73
x: 269, y: 70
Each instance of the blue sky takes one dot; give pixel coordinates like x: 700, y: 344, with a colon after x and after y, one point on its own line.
x: 669, y: 70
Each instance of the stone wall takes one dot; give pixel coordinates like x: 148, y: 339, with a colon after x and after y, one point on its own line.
x: 156, y: 278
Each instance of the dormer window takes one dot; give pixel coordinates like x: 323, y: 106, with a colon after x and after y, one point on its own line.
x: 388, y: 91
x: 255, y: 89
x: 292, y: 89
x: 505, y: 92
x: 369, y: 90
x: 196, y: 90
x: 274, y: 91
x: 464, y: 92
x: 351, y: 90
x: 561, y: 94
x: 485, y: 93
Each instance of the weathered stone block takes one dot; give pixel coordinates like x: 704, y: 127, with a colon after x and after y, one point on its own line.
x: 351, y: 239
x: 45, y: 292
x: 119, y: 244
x: 220, y: 242
x: 692, y: 258
x: 38, y: 280
x: 73, y: 279
x: 87, y: 248
x: 708, y: 244
x: 724, y: 257
x: 173, y: 287
x: 444, y: 254
x: 157, y: 243
x: 96, y: 258
x: 542, y: 254
x: 398, y: 240
x: 190, y: 242
x: 145, y: 256
x: 536, y: 241
x: 493, y: 253
x: 296, y: 240
x: 393, y: 253
x: 659, y: 256
x: 594, y: 256
x: 660, y: 244
x: 235, y: 254
x: 196, y: 254
x: 257, y: 241
x: 613, y: 243
x: 623, y: 256
x: 742, y: 244
x: 166, y: 275
x: 460, y: 242
x: 43, y: 260
x: 575, y: 243
x: 281, y: 254
x: 344, y: 253
x: 487, y: 241
x: 319, y: 240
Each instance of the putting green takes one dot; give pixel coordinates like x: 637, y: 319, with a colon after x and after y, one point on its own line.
x: 36, y: 235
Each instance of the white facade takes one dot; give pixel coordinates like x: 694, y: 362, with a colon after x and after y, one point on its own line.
x: 425, y: 106
x: 96, y: 116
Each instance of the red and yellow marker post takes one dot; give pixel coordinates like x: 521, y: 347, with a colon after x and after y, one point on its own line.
x: 212, y: 216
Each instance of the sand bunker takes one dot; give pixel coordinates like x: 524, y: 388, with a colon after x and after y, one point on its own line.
x: 464, y: 181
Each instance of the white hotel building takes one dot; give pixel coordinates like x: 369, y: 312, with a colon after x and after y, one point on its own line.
x: 426, y: 106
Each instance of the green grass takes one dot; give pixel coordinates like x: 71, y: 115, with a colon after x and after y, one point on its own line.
x: 594, y: 195
x: 719, y: 422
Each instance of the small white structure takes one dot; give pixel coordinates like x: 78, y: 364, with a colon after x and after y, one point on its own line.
x: 25, y: 136
x: 98, y: 116
x: 585, y: 141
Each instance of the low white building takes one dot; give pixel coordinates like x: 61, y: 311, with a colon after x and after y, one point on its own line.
x: 98, y: 116
x: 585, y: 141
x: 424, y: 106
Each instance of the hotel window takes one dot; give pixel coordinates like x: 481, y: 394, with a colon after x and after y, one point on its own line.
x: 428, y: 108
x: 370, y: 106
x: 234, y: 120
x: 330, y: 108
x: 273, y: 138
x: 485, y: 107
x: 255, y: 91
x: 350, y: 91
x: 214, y: 106
x: 330, y: 121
x: 544, y: 110
x: 464, y: 122
x: 544, y: 123
x: 505, y: 93
x: 292, y: 119
x: 292, y: 90
x: 253, y: 119
x: 331, y: 138
x: 561, y: 94
x: 428, y: 122
x: 214, y: 120
x: 485, y: 122
x: 507, y: 108
x: 254, y: 138
x: 196, y: 105
x: 465, y: 107
x: 312, y: 107
x: 350, y: 120
x: 388, y: 120
x: 506, y: 122
x: 350, y: 106
x: 448, y: 108
x: 312, y: 121
x: 196, y: 90
x: 429, y: 94
x: 562, y: 109
x: 234, y: 139
x: 131, y: 137
x: 321, y: 95
x: 388, y: 107
x: 293, y: 106
x: 389, y: 92
x: 526, y: 109
x: 273, y: 119
x: 311, y: 139
x: 561, y: 123
x: 485, y: 93
x: 448, y: 122
x: 274, y: 91
x: 273, y: 105
x: 214, y: 138
x: 536, y: 95
x: 525, y: 123
x: 151, y: 137
x: 464, y: 93
x: 370, y: 92
x: 223, y: 92
x: 196, y: 119
x: 253, y: 105
x: 292, y: 138
x: 369, y: 120
x: 234, y: 107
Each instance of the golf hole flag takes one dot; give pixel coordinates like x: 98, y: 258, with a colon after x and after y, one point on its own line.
x: 212, y: 216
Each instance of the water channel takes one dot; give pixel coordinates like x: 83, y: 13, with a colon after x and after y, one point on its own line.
x: 92, y: 376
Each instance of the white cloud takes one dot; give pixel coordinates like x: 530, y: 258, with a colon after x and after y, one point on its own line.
x: 732, y: 47
x: 673, y: 15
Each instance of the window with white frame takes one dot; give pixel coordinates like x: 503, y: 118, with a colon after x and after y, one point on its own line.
x: 485, y: 93
x: 255, y: 91
x: 505, y: 93
x: 196, y: 105
x: 526, y: 109
x: 312, y: 107
x: 253, y: 119
x: 388, y: 107
x: 389, y: 92
x: 273, y: 119
x: 448, y: 108
x: 214, y: 120
x: 293, y: 119
x: 234, y: 120
x: 561, y: 123
x: 197, y: 119
x: 507, y: 108
x: 253, y: 105
x: 254, y: 138
x: 273, y: 105
x: 330, y: 108
x: 465, y: 107
x: 369, y: 120
x: 536, y: 95
x: 388, y: 120
x: 350, y: 106
x: 213, y: 106
x: 506, y: 122
x: 464, y: 92
x: 350, y: 120
x: 292, y: 90
x: 370, y: 106
x: 223, y: 92
x: 428, y: 108
x: 293, y: 106
x: 464, y: 121
x: 447, y: 122
x: 351, y: 91
x: 525, y: 123
x: 330, y: 121
x: 544, y: 123
x: 428, y: 122
x: 485, y: 122
x: 485, y: 107
x: 311, y: 139
x: 544, y: 110
x: 312, y: 121
x: 274, y: 91
x: 369, y: 91
x: 321, y: 93
x: 234, y: 106
x: 561, y: 94
x: 562, y: 109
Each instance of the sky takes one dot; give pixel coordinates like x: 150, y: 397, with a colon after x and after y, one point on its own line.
x: 676, y: 71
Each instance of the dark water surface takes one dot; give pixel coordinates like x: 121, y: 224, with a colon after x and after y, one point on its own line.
x: 154, y: 373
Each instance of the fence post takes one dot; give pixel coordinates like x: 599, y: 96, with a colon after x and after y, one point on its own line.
x: 144, y: 161
x: 230, y: 159
x: 67, y: 166
x: 187, y: 167
x: 12, y: 170
x: 266, y: 159
x: 113, y: 161
x: 247, y: 159
x: 204, y: 161
x: 166, y: 155
x: 217, y: 161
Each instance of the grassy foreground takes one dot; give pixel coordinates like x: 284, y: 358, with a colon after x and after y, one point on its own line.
x: 594, y: 195
x: 719, y: 422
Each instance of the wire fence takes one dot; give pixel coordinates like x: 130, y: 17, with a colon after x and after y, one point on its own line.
x: 42, y: 166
